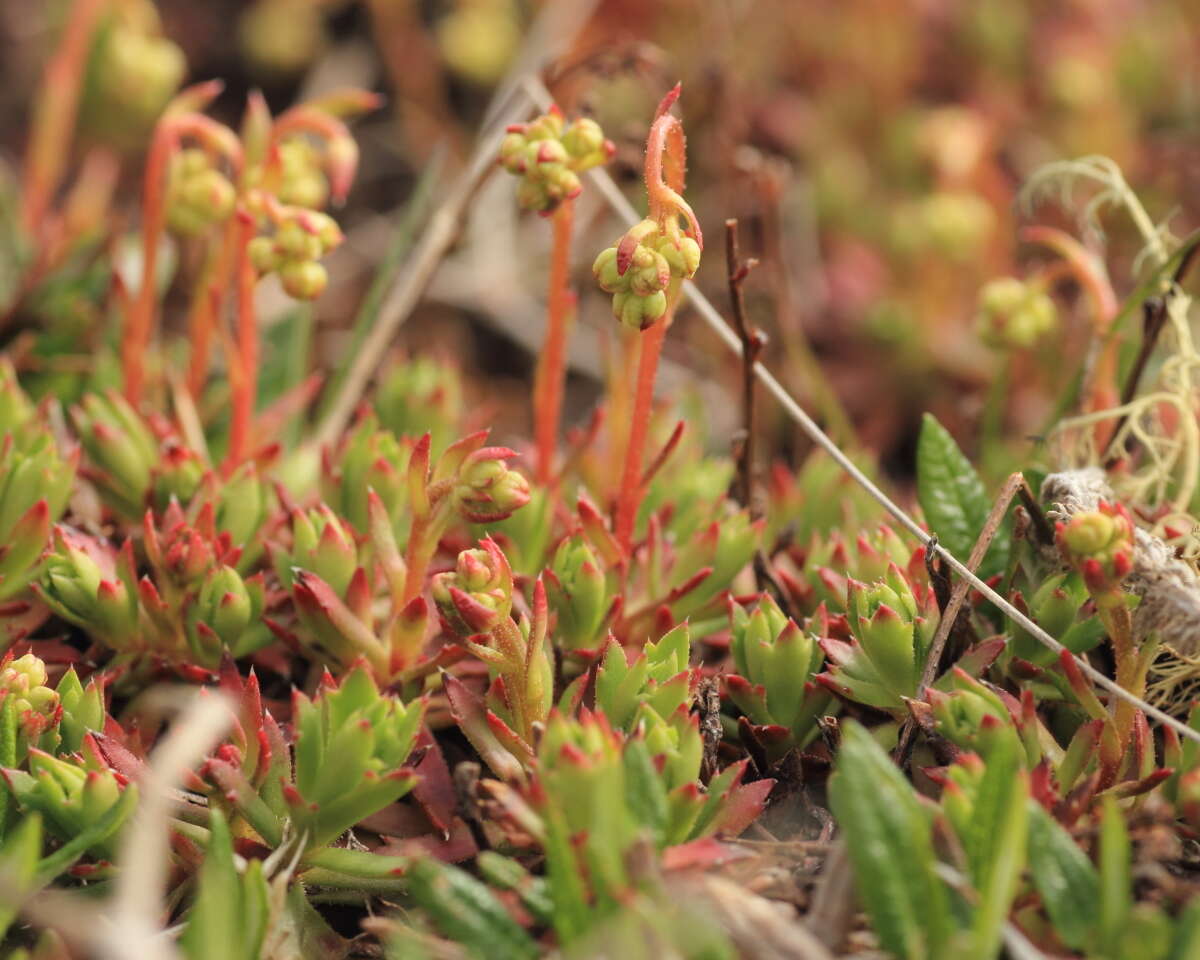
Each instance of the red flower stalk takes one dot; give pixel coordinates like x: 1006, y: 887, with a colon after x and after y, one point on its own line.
x: 171, y: 129
x: 1088, y: 271
x: 551, y: 374
x: 55, y: 111
x: 244, y: 384
x: 666, y: 161
x: 206, y: 305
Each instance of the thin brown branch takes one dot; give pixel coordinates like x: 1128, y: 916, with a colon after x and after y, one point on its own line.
x: 753, y: 341
x: 950, y: 616
x: 1154, y: 318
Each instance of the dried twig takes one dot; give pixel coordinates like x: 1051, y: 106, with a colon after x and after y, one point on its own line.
x: 1154, y: 319
x: 753, y: 340
x: 950, y: 616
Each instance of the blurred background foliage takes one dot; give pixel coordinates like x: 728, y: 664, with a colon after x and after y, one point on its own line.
x: 872, y: 150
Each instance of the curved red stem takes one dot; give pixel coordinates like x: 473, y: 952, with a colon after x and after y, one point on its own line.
x: 139, y: 328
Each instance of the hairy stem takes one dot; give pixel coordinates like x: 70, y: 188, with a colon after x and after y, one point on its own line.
x: 205, y: 310
x: 551, y: 374
x: 245, y: 384
x: 55, y: 110
x: 139, y: 327
x: 630, y: 494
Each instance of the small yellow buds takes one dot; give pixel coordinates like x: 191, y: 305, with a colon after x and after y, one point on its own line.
x: 550, y: 158
x: 198, y: 194
x: 135, y: 72
x: 639, y: 269
x: 1099, y: 544
x: 25, y: 679
x: 1014, y: 314
x: 301, y: 238
x: 302, y: 181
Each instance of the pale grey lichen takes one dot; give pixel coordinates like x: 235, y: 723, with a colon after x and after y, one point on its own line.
x: 1168, y: 587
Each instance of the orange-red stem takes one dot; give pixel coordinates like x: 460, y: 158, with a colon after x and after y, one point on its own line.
x: 171, y: 128
x: 245, y: 385
x: 630, y: 494
x: 551, y: 374
x: 206, y: 307
x: 55, y: 111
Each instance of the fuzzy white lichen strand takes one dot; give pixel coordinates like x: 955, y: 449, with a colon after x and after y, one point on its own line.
x: 1167, y: 586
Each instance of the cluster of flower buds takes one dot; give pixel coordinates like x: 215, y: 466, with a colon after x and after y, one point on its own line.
x: 640, y: 269
x: 300, y: 238
x: 476, y: 596
x: 1099, y: 545
x: 892, y: 631
x: 37, y: 707
x: 470, y: 481
x: 549, y: 156
x: 485, y: 489
x: 1014, y: 314
x: 775, y: 685
x: 952, y: 223
x: 279, y: 39
x: 199, y: 195
x: 302, y: 179
x: 475, y: 601
x: 134, y: 72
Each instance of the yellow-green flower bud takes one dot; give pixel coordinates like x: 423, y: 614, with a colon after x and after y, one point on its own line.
x: 303, y: 279
x: 1014, y: 314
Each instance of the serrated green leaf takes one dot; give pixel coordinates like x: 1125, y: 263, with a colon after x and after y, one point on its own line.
x: 1064, y: 877
x: 953, y: 497
x: 888, y: 837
